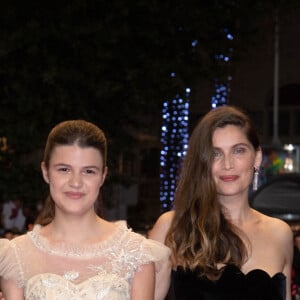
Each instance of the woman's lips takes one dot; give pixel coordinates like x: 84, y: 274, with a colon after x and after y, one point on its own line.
x: 74, y: 195
x: 229, y: 178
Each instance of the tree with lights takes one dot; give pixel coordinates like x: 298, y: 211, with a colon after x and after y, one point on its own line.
x: 107, y: 62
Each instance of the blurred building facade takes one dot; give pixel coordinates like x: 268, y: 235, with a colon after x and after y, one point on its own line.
x: 252, y: 85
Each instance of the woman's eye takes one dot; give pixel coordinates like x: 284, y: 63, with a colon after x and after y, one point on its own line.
x: 216, y: 153
x: 239, y: 150
x: 63, y: 169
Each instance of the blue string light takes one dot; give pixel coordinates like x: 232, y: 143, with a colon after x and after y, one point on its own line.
x: 174, y: 139
x: 174, y: 130
x: 222, y: 87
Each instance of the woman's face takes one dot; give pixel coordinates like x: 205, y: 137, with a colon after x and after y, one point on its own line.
x: 75, y: 176
x: 234, y: 161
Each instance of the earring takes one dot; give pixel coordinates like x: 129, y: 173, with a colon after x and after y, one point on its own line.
x: 255, y: 179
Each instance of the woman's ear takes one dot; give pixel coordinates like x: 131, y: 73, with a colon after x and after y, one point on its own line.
x: 45, y: 172
x: 258, y: 158
x: 104, y: 175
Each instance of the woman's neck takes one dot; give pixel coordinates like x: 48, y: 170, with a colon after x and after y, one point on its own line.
x: 236, y: 209
x: 74, y: 229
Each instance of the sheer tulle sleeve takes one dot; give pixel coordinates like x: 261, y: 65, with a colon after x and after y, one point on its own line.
x: 140, y: 250
x: 10, y: 267
x: 161, y: 257
x: 4, y: 246
x: 156, y: 252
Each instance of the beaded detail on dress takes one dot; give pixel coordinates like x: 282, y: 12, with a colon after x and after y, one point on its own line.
x: 51, y: 286
x: 66, y: 271
x: 74, y: 249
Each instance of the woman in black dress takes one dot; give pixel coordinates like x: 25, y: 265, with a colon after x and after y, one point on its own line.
x: 221, y: 247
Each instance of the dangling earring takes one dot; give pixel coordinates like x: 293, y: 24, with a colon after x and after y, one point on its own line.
x: 255, y: 179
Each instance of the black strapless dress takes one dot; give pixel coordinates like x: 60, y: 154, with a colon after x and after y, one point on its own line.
x: 232, y: 285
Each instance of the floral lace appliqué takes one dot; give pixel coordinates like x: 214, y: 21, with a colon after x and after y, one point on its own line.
x: 54, y: 287
x: 71, y: 275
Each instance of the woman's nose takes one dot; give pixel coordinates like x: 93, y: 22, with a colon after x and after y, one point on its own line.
x: 228, y: 162
x: 75, y: 180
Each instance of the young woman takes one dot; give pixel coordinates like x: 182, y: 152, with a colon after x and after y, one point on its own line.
x: 221, y: 247
x: 73, y: 253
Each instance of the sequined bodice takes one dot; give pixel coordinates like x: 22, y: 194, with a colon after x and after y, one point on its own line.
x: 54, y: 287
x: 101, y: 271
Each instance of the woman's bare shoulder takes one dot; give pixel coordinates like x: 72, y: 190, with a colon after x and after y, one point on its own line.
x: 166, y: 217
x: 161, y: 227
x: 277, y: 228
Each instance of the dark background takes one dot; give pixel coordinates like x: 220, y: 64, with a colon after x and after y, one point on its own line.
x: 109, y: 62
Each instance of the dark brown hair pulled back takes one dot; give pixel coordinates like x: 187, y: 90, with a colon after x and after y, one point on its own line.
x: 71, y: 132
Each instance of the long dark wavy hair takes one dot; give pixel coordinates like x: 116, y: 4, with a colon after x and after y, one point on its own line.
x: 72, y: 132
x: 200, y: 236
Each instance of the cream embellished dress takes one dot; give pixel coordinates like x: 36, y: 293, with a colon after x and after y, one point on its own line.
x: 102, y: 271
